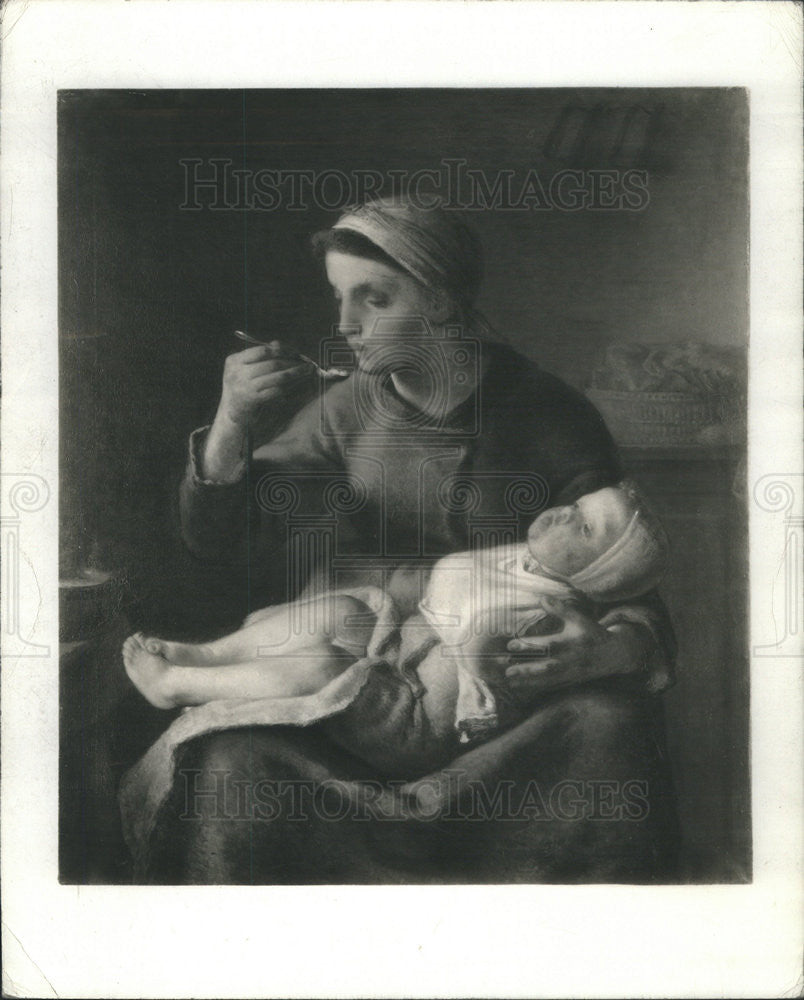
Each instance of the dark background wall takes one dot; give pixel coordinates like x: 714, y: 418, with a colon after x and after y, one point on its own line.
x: 558, y: 284
x: 150, y: 292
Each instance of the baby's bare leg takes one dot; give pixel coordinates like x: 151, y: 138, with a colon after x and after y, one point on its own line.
x: 338, y: 617
x: 284, y: 629
x: 237, y: 647
x: 167, y: 685
x: 266, y: 659
x: 269, y: 677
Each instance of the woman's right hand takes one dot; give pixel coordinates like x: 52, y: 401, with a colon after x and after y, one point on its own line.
x: 257, y: 377
x: 253, y: 379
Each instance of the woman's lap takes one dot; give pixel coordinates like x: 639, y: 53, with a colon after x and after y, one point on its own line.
x: 577, y: 792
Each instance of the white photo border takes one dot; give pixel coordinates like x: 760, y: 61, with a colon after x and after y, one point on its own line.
x: 333, y: 941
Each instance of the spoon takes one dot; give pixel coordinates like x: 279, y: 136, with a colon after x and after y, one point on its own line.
x: 327, y: 373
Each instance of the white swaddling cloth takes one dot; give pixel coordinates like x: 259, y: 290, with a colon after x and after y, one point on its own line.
x: 470, y: 593
x: 483, y: 595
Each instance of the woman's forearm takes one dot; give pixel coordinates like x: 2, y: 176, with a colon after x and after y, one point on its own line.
x: 223, y: 459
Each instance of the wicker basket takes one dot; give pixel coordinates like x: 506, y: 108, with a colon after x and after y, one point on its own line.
x: 658, y: 418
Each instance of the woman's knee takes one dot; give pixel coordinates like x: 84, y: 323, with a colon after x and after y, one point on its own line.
x: 229, y: 751
x: 254, y: 752
x: 604, y: 725
x: 602, y: 712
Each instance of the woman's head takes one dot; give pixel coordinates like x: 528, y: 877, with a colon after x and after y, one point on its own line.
x: 609, y: 544
x: 397, y: 271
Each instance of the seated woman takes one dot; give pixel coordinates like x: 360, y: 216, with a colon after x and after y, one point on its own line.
x: 606, y: 547
x: 417, y: 414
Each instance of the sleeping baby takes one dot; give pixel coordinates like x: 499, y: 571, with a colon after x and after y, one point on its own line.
x: 607, y: 547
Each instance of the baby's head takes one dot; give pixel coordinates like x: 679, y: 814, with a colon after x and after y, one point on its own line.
x: 608, y: 544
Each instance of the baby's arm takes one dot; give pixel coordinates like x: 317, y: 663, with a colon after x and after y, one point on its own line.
x: 481, y: 659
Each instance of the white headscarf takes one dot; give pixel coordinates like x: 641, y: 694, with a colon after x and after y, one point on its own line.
x: 435, y: 246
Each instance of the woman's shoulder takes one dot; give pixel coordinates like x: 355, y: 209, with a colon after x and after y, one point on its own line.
x: 520, y: 379
x: 556, y: 423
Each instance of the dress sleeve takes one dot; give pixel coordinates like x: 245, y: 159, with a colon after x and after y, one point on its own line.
x: 221, y: 521
x: 650, y: 614
x: 213, y: 514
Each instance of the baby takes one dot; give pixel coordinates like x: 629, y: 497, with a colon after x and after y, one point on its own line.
x: 607, y: 547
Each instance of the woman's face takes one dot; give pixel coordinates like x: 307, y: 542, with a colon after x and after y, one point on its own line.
x: 379, y: 307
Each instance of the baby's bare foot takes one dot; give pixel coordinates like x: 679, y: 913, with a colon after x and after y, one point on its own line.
x: 170, y: 651
x: 155, y: 646
x: 149, y: 671
x: 180, y: 654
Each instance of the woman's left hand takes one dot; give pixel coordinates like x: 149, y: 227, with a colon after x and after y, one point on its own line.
x: 583, y: 650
